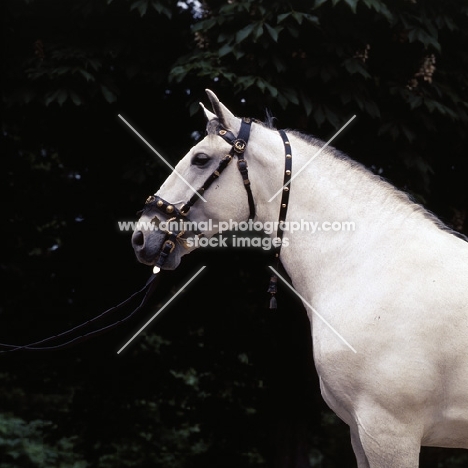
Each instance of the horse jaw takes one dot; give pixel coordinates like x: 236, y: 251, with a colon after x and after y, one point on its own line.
x: 227, y: 119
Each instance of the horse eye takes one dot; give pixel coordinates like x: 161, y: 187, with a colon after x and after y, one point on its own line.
x: 200, y: 159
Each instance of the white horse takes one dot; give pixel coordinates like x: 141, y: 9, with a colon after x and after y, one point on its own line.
x: 395, y: 287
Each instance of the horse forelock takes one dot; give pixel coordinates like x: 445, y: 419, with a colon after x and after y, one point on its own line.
x: 212, y: 127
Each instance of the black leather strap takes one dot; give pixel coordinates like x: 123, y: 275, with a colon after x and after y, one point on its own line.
x: 239, y: 145
x: 286, y: 190
x: 221, y: 166
x: 272, y: 287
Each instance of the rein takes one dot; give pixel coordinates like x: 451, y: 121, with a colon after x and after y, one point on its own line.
x: 149, y: 287
x: 238, y: 147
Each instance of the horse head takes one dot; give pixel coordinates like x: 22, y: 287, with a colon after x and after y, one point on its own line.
x: 193, y: 196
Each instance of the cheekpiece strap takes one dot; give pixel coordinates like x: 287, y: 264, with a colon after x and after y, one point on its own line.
x: 238, y: 147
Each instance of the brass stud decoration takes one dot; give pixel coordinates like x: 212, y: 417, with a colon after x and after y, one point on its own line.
x: 169, y: 209
x: 239, y: 146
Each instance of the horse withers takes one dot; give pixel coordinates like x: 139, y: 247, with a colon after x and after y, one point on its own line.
x: 395, y: 287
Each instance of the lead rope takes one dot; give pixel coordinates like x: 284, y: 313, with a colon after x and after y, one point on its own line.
x: 272, y: 287
x: 35, y: 346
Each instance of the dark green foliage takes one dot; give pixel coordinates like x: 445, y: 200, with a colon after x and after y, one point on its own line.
x: 217, y: 380
x: 399, y: 66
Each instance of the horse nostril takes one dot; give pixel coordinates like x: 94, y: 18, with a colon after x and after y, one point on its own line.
x: 138, y: 239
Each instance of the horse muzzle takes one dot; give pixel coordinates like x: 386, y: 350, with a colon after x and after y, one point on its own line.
x: 161, y: 240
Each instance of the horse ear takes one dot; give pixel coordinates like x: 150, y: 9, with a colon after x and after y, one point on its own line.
x: 225, y: 116
x: 209, y: 115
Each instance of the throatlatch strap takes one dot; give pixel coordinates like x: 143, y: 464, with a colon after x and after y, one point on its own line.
x: 272, y: 288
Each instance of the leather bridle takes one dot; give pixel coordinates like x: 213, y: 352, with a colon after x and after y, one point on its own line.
x: 238, y: 148
x: 155, y: 202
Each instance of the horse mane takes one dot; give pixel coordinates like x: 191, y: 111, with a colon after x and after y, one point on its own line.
x: 355, y: 166
x: 400, y: 195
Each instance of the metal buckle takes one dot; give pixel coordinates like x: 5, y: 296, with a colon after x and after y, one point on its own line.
x: 184, y: 209
x: 242, y: 164
x: 170, y: 243
x: 239, y: 145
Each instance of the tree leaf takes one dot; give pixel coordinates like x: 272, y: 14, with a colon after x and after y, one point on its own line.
x: 274, y: 32
x: 352, y: 4
x: 161, y: 8
x: 319, y: 3
x: 225, y: 49
x: 291, y: 95
x: 75, y: 98
x: 258, y: 31
x: 62, y: 96
x: 372, y: 109
x: 282, y: 17
x: 319, y: 115
x: 245, y: 32
x: 51, y: 97
x: 354, y: 66
x: 293, y: 30
x: 141, y: 6
x: 87, y: 76
x: 299, y: 17
x: 109, y: 96
x: 307, y: 103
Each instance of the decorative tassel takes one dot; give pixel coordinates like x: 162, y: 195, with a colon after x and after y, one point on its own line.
x: 272, y: 290
x: 273, y: 303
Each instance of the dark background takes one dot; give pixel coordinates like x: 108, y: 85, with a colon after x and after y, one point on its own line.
x: 218, y: 379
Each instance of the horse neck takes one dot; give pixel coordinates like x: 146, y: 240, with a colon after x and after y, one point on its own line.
x: 333, y: 189
x: 325, y: 187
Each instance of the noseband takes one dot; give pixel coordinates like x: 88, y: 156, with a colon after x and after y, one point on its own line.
x: 238, y: 147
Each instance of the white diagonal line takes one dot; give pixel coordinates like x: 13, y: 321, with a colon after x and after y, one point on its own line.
x: 312, y: 158
x: 161, y: 309
x: 313, y: 310
x: 160, y: 157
